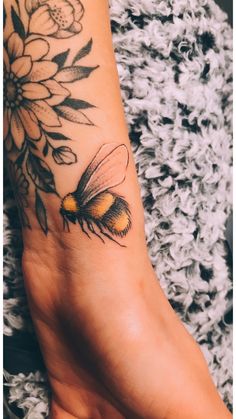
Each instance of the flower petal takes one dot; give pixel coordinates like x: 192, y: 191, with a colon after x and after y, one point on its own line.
x: 22, y: 66
x: 42, y: 70
x: 31, y: 5
x: 30, y: 123
x: 63, y: 34
x: 44, y: 113
x: 8, y: 143
x: 15, y: 46
x: 17, y: 130
x: 55, y: 88
x: 62, y: 13
x: 78, y: 9
x: 37, y: 49
x: 6, y: 61
x: 76, y: 27
x: 35, y: 91
x: 58, y: 92
x: 42, y: 23
x: 5, y: 123
x: 64, y: 155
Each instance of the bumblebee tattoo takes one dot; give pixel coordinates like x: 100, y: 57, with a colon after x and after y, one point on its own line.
x: 93, y: 205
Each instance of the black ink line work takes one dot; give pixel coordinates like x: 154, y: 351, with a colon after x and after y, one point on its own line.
x: 59, y: 19
x: 92, y: 205
x: 38, y: 94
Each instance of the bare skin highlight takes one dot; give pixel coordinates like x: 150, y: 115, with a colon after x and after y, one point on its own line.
x: 112, y: 344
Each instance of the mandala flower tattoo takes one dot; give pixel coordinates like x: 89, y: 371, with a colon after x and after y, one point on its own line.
x: 38, y: 96
x: 57, y: 18
x: 30, y: 91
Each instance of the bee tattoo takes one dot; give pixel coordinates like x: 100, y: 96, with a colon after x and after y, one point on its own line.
x: 92, y: 205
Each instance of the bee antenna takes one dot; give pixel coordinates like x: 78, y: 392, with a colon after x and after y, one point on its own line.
x: 64, y: 223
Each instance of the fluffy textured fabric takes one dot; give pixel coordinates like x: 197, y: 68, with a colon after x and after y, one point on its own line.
x: 174, y: 60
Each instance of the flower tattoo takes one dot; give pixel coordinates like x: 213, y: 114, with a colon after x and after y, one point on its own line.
x: 38, y: 96
x: 57, y: 18
x: 29, y: 90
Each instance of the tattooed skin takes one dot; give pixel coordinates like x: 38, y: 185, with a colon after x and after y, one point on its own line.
x: 92, y: 205
x: 60, y: 19
x: 38, y: 95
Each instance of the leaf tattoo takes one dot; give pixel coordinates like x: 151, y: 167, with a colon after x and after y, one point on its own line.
x: 4, y: 16
x: 21, y: 188
x: 77, y: 104
x: 71, y: 74
x: 57, y: 136
x: 83, y: 52
x: 60, y: 59
x: 41, y: 212
x: 73, y: 115
x: 17, y: 23
x: 46, y: 149
x: 38, y: 94
x: 40, y: 173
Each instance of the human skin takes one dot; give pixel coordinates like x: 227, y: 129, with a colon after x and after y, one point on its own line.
x: 112, y: 344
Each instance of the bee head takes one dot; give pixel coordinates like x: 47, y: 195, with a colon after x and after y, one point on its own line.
x: 69, y: 209
x: 68, y: 216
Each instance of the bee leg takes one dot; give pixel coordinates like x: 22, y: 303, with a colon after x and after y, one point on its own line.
x: 66, y: 225
x: 82, y: 227
x: 91, y: 228
x: 109, y: 237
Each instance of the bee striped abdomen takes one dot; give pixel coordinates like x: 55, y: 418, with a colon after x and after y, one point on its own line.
x: 99, y: 206
x: 117, y: 218
x: 110, y: 211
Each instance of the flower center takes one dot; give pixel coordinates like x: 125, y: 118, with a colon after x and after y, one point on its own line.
x: 12, y: 91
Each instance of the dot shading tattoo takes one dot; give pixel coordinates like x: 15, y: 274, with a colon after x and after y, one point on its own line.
x: 38, y: 93
x: 93, y: 205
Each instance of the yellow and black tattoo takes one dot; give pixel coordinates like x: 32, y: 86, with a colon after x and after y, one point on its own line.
x: 92, y: 204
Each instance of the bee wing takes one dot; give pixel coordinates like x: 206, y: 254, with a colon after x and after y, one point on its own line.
x: 107, y: 170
